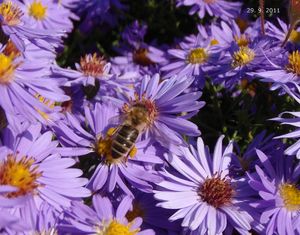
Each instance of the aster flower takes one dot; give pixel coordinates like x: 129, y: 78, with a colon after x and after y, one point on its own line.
x: 199, y: 188
x: 30, y: 163
x: 102, y: 219
x: 164, y: 102
x: 280, y: 32
x: 195, y: 58
x: 47, y: 15
x: 137, y: 55
x: 277, y: 186
x: 283, y: 74
x: 110, y: 173
x: 241, y: 61
x: 94, y: 71
x: 219, y: 8
x: 13, y: 25
x: 23, y: 91
x: 145, y: 59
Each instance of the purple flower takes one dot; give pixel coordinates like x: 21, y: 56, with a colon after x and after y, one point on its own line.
x: 196, y: 58
x: 13, y: 25
x: 240, y: 61
x: 27, y: 89
x: 165, y: 103
x: 199, y: 188
x: 102, y: 219
x: 94, y: 71
x: 277, y: 186
x: 219, y: 8
x: 280, y: 33
x: 47, y: 15
x: 286, y: 72
x: 34, y: 172
x: 135, y: 171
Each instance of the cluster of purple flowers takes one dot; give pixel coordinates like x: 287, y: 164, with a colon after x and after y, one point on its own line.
x: 59, y: 171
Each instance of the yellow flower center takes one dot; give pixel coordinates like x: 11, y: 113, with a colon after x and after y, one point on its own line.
x: 295, y: 37
x: 19, y: 173
x: 242, y: 57
x: 214, y: 42
x: 116, y: 228
x: 294, y: 63
x: 37, y: 10
x: 92, y: 65
x: 103, y: 148
x: 11, y: 13
x: 7, y: 68
x: 197, y: 56
x: 242, y: 41
x: 290, y: 196
x: 137, y: 211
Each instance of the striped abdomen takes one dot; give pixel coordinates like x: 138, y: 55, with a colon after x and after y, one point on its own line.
x: 123, y: 141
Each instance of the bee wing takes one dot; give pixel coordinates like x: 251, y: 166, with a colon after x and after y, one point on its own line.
x: 117, y: 120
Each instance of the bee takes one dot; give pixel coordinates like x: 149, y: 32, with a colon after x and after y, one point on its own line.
x: 135, y: 122
x: 3, y: 120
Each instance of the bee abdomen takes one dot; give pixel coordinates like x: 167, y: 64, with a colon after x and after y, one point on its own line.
x: 123, y: 141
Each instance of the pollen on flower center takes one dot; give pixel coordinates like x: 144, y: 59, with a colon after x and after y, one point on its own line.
x: 104, y: 146
x: 295, y: 36
x: 37, y: 10
x: 11, y: 13
x: 216, y: 192
x: 116, y: 228
x: 242, y: 57
x: 7, y: 68
x: 140, y: 57
x: 290, y: 195
x: 92, y: 65
x: 294, y: 63
x: 197, y: 56
x: 19, y: 173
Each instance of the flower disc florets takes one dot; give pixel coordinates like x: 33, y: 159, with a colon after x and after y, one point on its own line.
x: 242, y: 57
x: 10, y: 13
x: 216, y: 191
x: 116, y: 228
x: 294, y: 63
x: 37, y: 10
x: 92, y: 65
x: 197, y: 56
x: 19, y: 173
x: 7, y: 68
x: 290, y: 195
